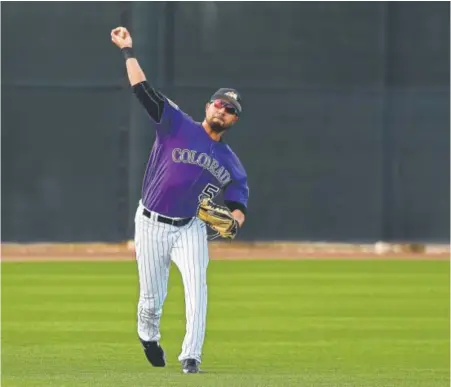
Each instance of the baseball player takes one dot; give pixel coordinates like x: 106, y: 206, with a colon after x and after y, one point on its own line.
x: 189, y: 165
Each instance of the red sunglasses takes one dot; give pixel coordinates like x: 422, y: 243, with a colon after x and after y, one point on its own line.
x: 229, y: 108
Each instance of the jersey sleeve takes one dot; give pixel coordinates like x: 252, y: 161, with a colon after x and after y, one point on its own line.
x: 237, y: 191
x: 171, y: 118
x: 165, y: 114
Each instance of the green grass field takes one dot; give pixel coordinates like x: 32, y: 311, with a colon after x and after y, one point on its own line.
x: 270, y: 323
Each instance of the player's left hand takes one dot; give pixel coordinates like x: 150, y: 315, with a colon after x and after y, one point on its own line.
x: 121, y: 37
x: 218, y: 218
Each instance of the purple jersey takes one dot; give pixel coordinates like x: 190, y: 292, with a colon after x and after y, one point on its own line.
x: 186, y: 164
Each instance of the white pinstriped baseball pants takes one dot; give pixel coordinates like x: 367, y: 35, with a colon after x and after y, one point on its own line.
x: 156, y: 245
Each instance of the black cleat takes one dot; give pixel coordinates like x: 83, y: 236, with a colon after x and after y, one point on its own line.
x: 154, y: 353
x: 190, y: 366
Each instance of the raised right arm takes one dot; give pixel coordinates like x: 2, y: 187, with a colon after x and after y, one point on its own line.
x: 152, y: 100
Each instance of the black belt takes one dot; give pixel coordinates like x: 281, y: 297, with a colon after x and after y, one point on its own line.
x: 172, y: 222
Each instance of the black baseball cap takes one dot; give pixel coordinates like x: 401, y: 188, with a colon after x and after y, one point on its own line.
x: 230, y: 95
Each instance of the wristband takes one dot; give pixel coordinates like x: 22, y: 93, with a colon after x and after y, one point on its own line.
x: 127, y: 52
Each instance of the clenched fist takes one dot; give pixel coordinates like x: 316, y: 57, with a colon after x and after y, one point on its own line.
x: 121, y: 37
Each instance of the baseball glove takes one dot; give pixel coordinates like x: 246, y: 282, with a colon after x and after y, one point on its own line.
x: 218, y: 218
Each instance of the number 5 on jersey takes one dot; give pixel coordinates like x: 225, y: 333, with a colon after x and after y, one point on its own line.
x: 210, y: 191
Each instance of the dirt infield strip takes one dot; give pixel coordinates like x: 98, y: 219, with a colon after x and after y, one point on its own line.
x: 224, y: 250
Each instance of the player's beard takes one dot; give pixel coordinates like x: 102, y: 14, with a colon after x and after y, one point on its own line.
x: 217, y: 127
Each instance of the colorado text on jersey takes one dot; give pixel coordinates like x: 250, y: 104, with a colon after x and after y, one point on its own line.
x: 204, y: 161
